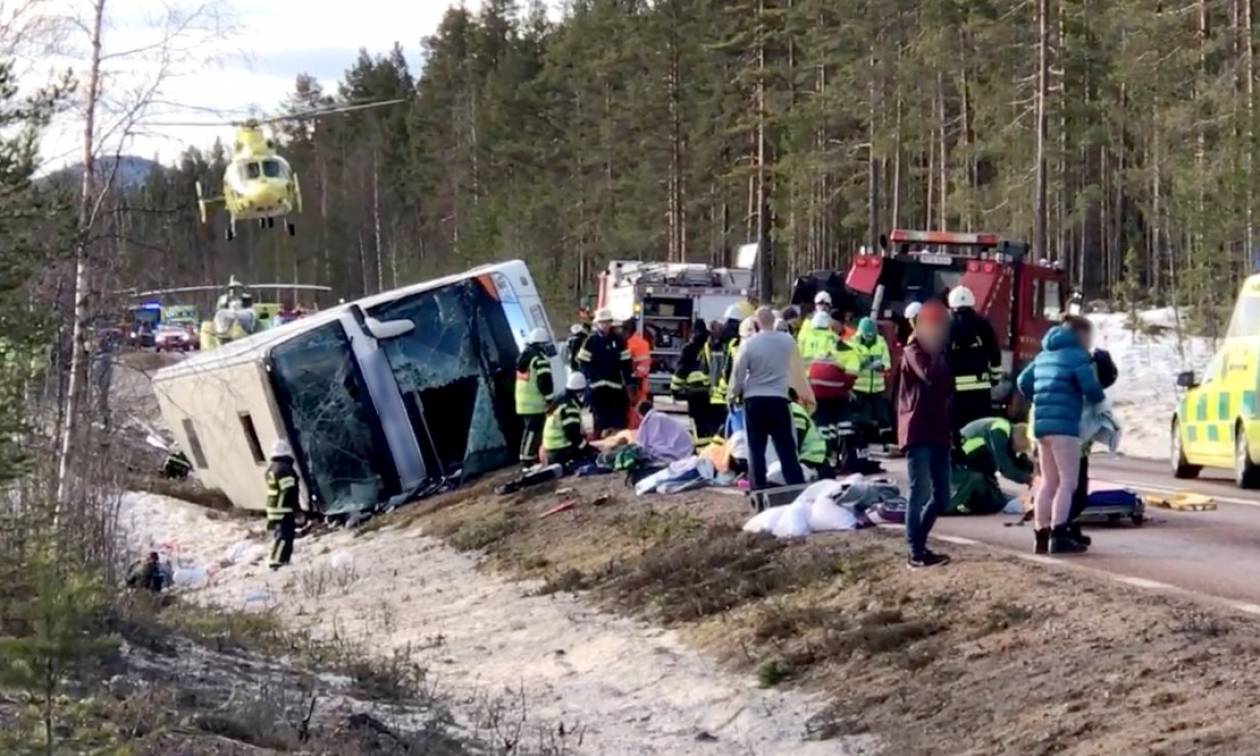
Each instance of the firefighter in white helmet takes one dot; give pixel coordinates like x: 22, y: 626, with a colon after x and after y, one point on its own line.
x: 605, y: 360
x: 563, y: 442
x: 974, y: 358
x: 822, y: 304
x: 534, y: 387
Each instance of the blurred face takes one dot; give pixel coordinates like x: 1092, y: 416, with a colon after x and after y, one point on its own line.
x: 931, y: 334
x: 1087, y: 338
x: 604, y: 326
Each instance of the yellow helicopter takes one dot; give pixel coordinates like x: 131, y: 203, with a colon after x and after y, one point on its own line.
x: 259, y: 184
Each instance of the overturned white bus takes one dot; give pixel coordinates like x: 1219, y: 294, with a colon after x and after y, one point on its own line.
x: 381, y: 398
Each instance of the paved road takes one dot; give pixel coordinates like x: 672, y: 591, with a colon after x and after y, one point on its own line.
x: 1214, y: 554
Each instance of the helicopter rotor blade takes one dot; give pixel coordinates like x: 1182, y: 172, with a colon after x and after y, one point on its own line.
x: 320, y: 112
x: 192, y: 124
x: 298, y: 116
x: 175, y: 290
x: 303, y: 287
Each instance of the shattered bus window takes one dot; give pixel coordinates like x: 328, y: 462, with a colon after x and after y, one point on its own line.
x: 461, y: 386
x: 346, y: 463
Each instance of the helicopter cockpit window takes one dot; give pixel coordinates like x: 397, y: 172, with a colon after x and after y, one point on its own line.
x: 271, y: 169
x: 252, y: 171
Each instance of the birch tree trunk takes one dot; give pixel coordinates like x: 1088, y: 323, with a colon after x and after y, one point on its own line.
x: 79, y: 356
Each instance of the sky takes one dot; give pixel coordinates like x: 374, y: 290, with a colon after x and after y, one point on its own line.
x: 244, y: 63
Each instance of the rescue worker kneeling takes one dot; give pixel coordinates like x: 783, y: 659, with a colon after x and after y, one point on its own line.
x: 563, y: 442
x: 990, y: 445
x: 811, y: 449
x: 282, y: 503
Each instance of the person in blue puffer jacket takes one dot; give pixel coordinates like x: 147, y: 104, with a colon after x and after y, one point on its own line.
x: 1059, y: 381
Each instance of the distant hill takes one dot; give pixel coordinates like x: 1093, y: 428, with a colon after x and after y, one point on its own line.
x: 132, y: 171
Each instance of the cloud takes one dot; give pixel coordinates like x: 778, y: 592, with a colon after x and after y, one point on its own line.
x: 255, y: 67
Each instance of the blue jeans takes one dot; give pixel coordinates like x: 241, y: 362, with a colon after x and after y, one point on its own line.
x: 929, y: 468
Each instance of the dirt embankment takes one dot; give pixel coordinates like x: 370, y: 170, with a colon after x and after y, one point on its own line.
x: 834, y: 645
x: 988, y: 655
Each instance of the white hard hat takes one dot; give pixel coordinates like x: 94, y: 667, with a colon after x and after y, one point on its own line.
x: 538, y: 336
x: 734, y: 312
x: 576, y: 382
x: 576, y: 328
x: 961, y: 296
x: 912, y: 310
x: 822, y: 297
x: 603, y: 315
x: 821, y: 320
x: 281, y: 448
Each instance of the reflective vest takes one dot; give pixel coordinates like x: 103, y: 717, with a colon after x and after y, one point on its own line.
x: 282, y: 494
x: 871, y: 378
x: 602, y: 358
x: 981, y: 382
x: 817, y: 344
x: 810, y: 447
x: 556, y: 427
x: 807, y: 327
x: 718, y: 394
x: 529, y: 398
x: 696, y: 380
x: 973, y: 444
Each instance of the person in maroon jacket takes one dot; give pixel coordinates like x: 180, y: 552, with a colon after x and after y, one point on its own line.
x: 924, y: 421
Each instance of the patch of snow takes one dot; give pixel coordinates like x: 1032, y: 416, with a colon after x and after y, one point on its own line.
x: 1145, y: 394
x: 632, y: 687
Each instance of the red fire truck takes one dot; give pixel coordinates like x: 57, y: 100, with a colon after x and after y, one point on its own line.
x: 1022, y: 299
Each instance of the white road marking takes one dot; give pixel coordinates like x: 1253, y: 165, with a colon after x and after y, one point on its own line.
x: 1153, y: 585
x: 1130, y: 580
x: 957, y: 539
x: 1163, y: 488
x: 1038, y: 558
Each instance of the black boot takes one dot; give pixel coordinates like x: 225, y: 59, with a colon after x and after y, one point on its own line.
x: 1042, y: 543
x: 1062, y: 542
x: 1075, y: 530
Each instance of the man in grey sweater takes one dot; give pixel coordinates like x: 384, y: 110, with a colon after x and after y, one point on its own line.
x: 765, y: 367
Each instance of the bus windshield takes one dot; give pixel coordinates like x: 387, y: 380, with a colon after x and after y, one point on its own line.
x: 321, y: 392
x: 456, y: 372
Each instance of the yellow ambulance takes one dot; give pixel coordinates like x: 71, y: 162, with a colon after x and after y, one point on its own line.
x: 1216, y: 422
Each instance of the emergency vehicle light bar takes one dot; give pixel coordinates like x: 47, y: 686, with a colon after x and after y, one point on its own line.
x: 902, y: 236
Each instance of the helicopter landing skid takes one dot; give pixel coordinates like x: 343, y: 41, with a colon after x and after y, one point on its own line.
x: 229, y: 233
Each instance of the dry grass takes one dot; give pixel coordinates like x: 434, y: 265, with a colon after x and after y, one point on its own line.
x: 976, y: 658
x: 713, y: 571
